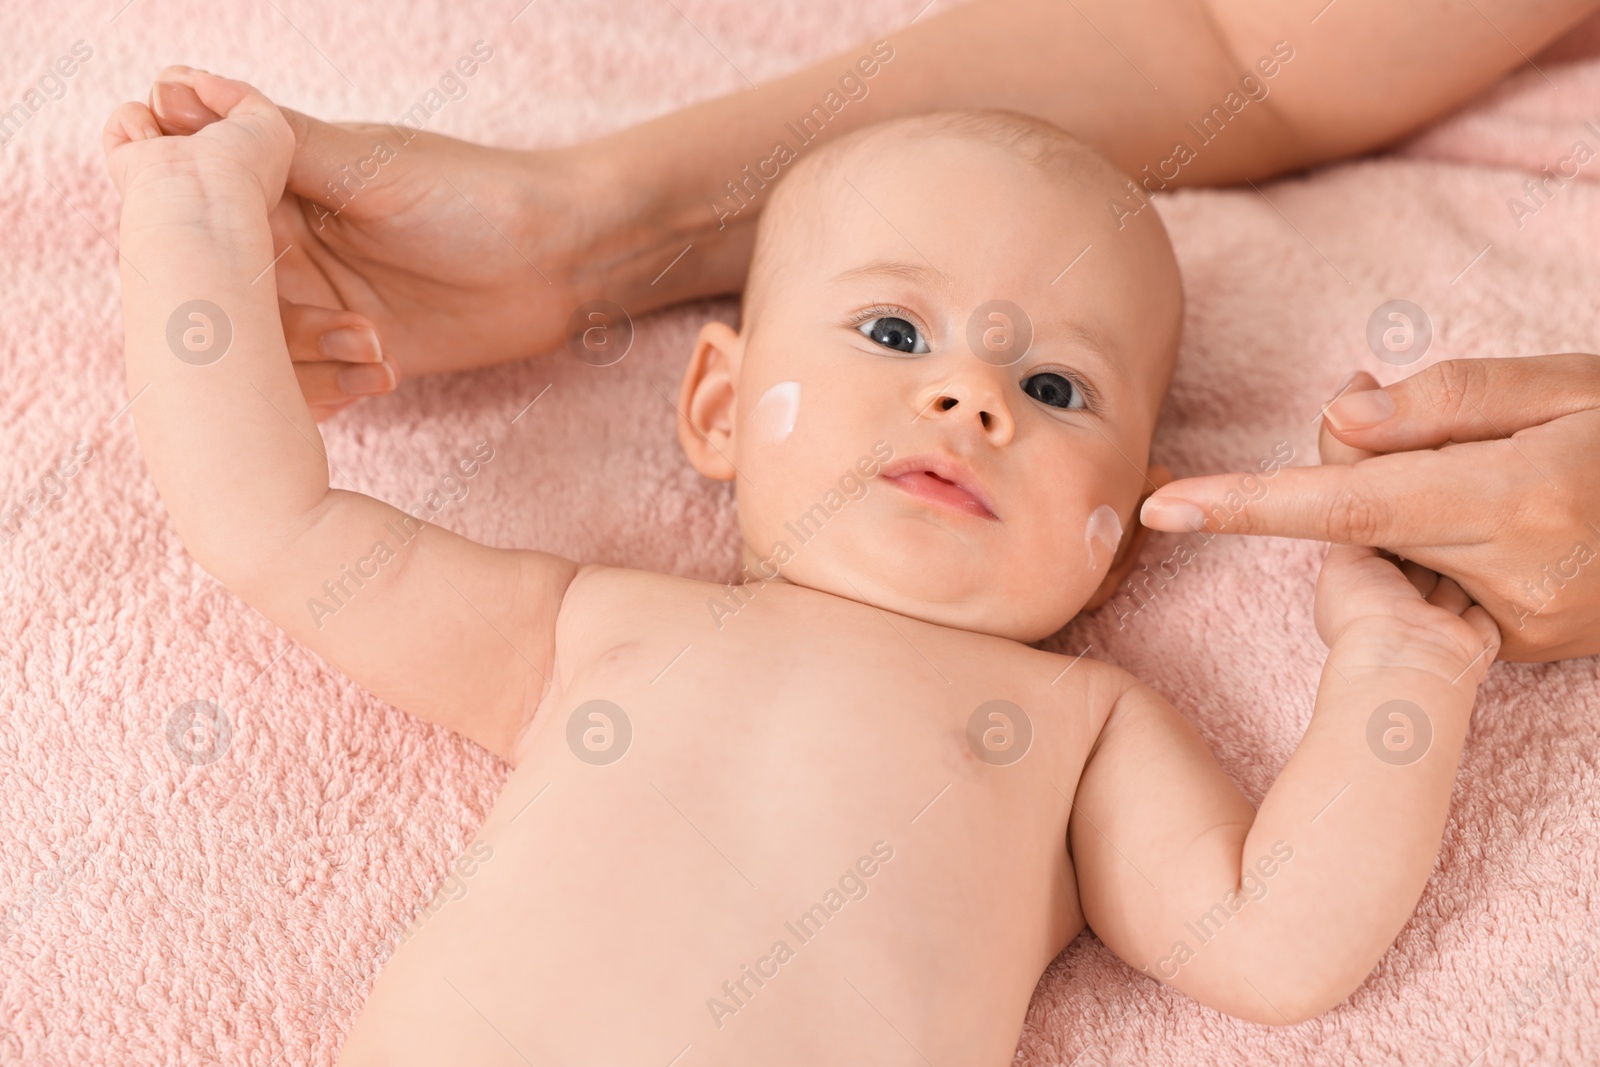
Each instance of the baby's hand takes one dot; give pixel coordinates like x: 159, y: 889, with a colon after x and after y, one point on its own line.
x: 245, y: 151
x: 1402, y: 609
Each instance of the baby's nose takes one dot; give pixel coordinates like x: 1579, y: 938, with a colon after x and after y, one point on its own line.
x: 964, y: 402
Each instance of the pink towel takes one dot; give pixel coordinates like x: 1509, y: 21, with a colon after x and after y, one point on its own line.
x: 157, y: 906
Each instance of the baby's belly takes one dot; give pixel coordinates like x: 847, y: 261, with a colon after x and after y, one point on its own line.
x: 819, y: 875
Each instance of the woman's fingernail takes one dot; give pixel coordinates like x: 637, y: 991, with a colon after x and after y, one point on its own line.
x: 161, y: 100
x: 177, y: 105
x: 1172, y: 515
x: 367, y: 379
x: 351, y: 344
x: 1365, y: 408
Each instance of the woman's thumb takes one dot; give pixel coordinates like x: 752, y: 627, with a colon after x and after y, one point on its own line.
x: 322, y: 153
x: 178, y: 109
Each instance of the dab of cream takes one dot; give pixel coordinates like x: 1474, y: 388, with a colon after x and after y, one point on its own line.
x: 1102, y: 537
x: 772, y: 419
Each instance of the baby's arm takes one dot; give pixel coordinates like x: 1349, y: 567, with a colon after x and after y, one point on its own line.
x: 1278, y: 915
x: 444, y: 628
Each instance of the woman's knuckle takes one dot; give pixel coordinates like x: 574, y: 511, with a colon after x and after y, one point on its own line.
x: 1460, y: 385
x: 1355, y: 518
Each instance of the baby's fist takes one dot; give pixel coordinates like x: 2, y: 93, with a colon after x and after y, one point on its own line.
x: 216, y: 135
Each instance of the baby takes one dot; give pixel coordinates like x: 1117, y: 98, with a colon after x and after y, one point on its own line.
x: 842, y: 812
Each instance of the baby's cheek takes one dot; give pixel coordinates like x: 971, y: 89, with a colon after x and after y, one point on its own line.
x: 773, y: 416
x: 1101, y: 536
x: 1068, y: 556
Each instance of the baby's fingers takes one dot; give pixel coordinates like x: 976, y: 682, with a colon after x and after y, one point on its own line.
x: 1484, y: 626
x: 1449, y: 596
x: 1420, y: 577
x: 128, y: 123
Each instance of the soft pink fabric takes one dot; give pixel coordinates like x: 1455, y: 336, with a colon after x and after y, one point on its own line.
x: 158, y: 912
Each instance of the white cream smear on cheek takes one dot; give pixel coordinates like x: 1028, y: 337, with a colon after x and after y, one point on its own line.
x: 772, y: 419
x: 1102, y: 536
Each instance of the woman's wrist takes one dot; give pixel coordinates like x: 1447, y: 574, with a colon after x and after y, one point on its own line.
x: 644, y: 242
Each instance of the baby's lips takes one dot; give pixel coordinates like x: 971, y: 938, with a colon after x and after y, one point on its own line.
x: 179, y: 109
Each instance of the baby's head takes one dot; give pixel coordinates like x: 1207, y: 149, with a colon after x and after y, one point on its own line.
x: 950, y: 361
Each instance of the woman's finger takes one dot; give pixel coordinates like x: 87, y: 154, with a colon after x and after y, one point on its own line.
x: 324, y: 412
x: 1455, y: 496
x: 1461, y: 400
x: 197, y: 98
x: 178, y: 109
x: 330, y: 384
x: 325, y: 151
x: 336, y: 356
x: 317, y: 333
x: 1329, y: 447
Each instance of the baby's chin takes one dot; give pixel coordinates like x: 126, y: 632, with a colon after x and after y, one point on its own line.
x: 945, y: 591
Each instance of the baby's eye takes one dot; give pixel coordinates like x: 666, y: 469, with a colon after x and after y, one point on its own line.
x: 895, y: 333
x: 1053, y: 389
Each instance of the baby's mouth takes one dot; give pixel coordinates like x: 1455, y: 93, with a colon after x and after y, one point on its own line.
x: 928, y: 486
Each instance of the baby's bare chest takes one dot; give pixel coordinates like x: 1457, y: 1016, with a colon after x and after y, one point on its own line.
x: 733, y: 828
x: 815, y: 722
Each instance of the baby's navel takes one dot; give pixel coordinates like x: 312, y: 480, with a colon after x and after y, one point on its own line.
x: 772, y: 419
x: 1102, y: 537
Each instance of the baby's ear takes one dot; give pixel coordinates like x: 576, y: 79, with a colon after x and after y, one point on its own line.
x: 706, y: 401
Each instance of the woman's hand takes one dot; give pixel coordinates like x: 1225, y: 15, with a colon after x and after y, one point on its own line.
x: 409, y: 253
x: 1486, y: 471
x: 1398, y: 609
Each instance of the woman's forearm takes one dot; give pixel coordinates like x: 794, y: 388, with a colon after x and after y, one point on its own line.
x: 1176, y: 93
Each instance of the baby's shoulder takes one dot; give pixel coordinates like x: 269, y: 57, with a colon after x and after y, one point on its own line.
x: 606, y: 603
x: 1078, y: 684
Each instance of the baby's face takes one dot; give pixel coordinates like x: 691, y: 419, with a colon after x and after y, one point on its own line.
x: 1010, y: 475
